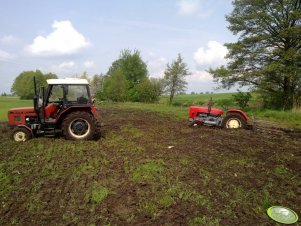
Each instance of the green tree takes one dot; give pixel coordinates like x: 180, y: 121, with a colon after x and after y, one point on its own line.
x: 267, y: 54
x: 242, y: 99
x: 131, y: 65
x: 23, y: 85
x: 174, y: 77
x: 97, y: 83
x: 115, y: 86
x: 148, y: 90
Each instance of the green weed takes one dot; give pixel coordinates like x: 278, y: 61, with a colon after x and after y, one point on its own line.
x: 280, y: 170
x: 98, y: 194
x: 132, y: 131
x: 166, y: 200
x: 148, y: 206
x: 148, y: 172
x: 204, y: 220
x: 266, y: 202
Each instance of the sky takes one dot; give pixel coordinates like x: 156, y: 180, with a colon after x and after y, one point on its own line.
x: 70, y: 37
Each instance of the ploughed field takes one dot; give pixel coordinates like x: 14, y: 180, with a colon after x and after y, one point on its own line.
x: 152, y: 169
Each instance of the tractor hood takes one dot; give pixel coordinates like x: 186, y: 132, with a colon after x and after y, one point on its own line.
x: 194, y: 110
x: 25, y: 110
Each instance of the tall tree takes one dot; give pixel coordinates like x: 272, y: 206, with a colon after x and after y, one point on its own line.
x: 174, y: 77
x: 131, y: 65
x: 115, y: 86
x: 23, y: 85
x: 267, y: 55
x: 97, y: 83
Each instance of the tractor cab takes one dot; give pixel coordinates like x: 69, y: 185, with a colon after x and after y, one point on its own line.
x: 65, y: 106
x: 60, y: 95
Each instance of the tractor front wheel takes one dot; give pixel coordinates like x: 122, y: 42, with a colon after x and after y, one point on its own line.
x: 79, y: 126
x: 21, y: 134
x: 234, y: 121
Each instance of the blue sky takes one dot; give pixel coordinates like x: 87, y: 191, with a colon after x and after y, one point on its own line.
x: 71, y: 37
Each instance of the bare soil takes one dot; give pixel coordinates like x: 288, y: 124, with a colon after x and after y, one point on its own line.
x: 158, y: 172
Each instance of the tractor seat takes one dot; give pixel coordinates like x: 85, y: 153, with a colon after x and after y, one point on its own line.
x: 51, y: 110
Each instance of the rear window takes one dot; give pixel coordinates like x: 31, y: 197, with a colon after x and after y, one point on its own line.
x: 77, y: 94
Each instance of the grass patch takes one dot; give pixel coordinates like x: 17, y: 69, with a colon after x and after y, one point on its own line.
x: 150, y: 171
x: 204, y: 220
x: 285, y: 118
x: 280, y: 170
x: 98, y: 193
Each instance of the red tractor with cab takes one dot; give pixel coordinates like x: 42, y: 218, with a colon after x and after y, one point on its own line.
x: 65, y: 107
x: 208, y: 116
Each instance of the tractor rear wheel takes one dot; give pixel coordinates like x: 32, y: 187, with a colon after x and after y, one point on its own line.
x: 234, y: 121
x: 79, y: 125
x: 21, y: 134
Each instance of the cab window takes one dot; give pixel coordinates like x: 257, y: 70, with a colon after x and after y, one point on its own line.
x: 56, y: 94
x: 77, y: 94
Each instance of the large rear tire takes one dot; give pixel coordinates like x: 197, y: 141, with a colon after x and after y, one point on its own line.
x: 21, y: 134
x: 234, y: 121
x: 79, y: 125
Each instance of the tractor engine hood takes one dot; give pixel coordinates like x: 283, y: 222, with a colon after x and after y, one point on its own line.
x: 18, y: 116
x: 194, y: 110
x: 25, y: 110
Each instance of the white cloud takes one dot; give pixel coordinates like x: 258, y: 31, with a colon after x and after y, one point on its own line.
x: 200, y: 8
x: 5, y: 56
x: 188, y: 7
x: 88, y: 64
x: 200, y: 77
x: 156, y: 66
x: 66, y: 65
x: 214, y: 55
x: 64, y: 39
x: 9, y: 40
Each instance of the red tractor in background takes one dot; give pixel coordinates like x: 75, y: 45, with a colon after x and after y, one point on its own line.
x: 208, y: 116
x: 65, y: 107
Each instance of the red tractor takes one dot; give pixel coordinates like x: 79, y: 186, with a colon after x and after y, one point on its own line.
x: 208, y: 116
x: 65, y: 107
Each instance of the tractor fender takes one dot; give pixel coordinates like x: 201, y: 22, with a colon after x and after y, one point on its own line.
x: 239, y: 112
x: 67, y: 111
x: 26, y: 127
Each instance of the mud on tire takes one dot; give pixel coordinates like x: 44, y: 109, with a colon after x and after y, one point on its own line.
x: 79, y: 125
x: 234, y: 121
x: 21, y: 134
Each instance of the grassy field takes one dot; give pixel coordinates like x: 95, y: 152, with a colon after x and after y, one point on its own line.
x: 12, y: 102
x: 149, y: 168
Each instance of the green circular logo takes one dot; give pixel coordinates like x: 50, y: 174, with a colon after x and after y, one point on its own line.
x: 282, y: 214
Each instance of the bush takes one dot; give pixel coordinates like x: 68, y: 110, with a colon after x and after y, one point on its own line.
x: 225, y: 103
x: 242, y: 99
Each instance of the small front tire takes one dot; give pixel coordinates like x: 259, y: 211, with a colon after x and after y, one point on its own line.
x: 21, y: 134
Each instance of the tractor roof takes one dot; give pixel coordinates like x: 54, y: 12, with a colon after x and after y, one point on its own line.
x: 67, y: 81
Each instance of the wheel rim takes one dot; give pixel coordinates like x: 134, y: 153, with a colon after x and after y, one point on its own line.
x: 233, y: 123
x: 20, y: 136
x: 79, y: 128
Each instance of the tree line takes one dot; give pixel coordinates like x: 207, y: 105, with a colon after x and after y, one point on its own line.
x: 266, y: 58
x: 126, y: 80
